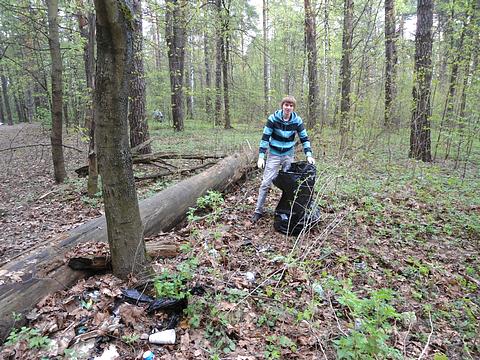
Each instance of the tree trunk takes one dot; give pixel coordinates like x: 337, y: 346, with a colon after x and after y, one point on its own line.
x: 114, y: 63
x: 311, y: 45
x: 218, y: 64
x: 6, y: 100
x: 56, y: 137
x: 189, y: 81
x: 225, y: 62
x: 175, y: 37
x: 2, y: 111
x: 137, y: 116
x: 158, y: 53
x: 327, y: 74
x: 420, y: 122
x: 43, y: 269
x: 208, y: 73
x: 89, y: 58
x: 266, y: 90
x: 390, y: 114
x: 346, y: 72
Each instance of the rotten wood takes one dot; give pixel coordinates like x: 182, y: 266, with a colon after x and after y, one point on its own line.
x: 94, y: 263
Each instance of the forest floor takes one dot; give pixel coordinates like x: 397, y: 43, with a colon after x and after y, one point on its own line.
x: 391, y: 271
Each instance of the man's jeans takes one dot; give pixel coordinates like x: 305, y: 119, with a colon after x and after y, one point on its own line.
x: 272, y: 167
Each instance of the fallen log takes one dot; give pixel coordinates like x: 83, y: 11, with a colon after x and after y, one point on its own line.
x: 45, y: 271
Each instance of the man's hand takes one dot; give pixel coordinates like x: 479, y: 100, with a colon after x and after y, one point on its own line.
x: 261, y: 163
x: 310, y: 160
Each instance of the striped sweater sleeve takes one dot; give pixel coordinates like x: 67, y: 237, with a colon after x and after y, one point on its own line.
x: 265, y: 141
x: 302, y: 134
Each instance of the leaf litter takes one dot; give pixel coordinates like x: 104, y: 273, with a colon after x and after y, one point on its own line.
x: 291, y: 307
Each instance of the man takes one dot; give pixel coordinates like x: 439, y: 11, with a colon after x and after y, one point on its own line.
x: 279, y: 138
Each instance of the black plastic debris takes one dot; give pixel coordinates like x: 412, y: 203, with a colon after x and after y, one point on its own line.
x: 133, y: 296
x: 168, y: 305
x: 296, y: 209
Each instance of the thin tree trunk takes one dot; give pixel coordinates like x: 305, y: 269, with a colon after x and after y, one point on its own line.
x: 420, y: 142
x: 266, y: 89
x: 208, y: 73
x: 218, y: 65
x: 137, y: 116
x: 114, y: 63
x: 390, y: 114
x: 310, y: 40
x: 6, y: 100
x: 346, y: 72
x: 189, y: 78
x: 326, y: 65
x: 57, y: 93
x: 2, y: 111
x: 158, y: 53
x: 175, y: 38
x: 225, y: 62
x: 87, y: 30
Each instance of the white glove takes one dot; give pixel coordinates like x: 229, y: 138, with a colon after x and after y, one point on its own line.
x: 261, y: 163
x: 310, y: 160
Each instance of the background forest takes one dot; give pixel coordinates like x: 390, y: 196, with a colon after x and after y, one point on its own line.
x: 337, y: 70
x: 389, y: 92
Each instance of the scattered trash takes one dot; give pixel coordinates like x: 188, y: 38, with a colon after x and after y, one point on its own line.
x: 166, y: 337
x: 83, y: 349
x: 358, y: 324
x: 318, y: 289
x: 148, y: 355
x: 133, y: 296
x: 168, y: 305
x: 360, y: 265
x: 250, y: 276
x: 109, y: 354
x: 144, y: 336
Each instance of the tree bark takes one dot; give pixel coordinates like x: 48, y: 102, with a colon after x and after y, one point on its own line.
x: 218, y: 64
x: 390, y: 114
x: 225, y: 63
x: 311, y: 45
x: 420, y: 142
x: 43, y: 269
x: 346, y: 72
x: 175, y: 37
x: 57, y: 93
x: 208, y: 73
x: 137, y: 116
x: 6, y: 100
x: 189, y: 80
x: 266, y: 90
x: 114, y: 63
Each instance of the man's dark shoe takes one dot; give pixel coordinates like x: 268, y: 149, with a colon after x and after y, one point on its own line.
x: 255, y: 217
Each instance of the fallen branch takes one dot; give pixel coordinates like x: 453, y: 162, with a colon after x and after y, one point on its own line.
x: 171, y: 172
x: 152, y: 158
x: 429, y: 337
x: 34, y: 145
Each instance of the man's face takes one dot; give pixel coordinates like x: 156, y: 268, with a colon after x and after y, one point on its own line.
x: 287, y: 108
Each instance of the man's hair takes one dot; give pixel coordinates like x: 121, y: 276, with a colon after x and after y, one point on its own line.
x: 288, y: 99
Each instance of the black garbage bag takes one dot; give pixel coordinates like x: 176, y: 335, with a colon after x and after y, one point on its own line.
x: 296, y: 210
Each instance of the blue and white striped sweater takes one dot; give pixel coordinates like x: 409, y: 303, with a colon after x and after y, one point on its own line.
x: 279, y: 135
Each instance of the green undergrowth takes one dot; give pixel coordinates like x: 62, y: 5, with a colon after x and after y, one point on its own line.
x: 401, y: 259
